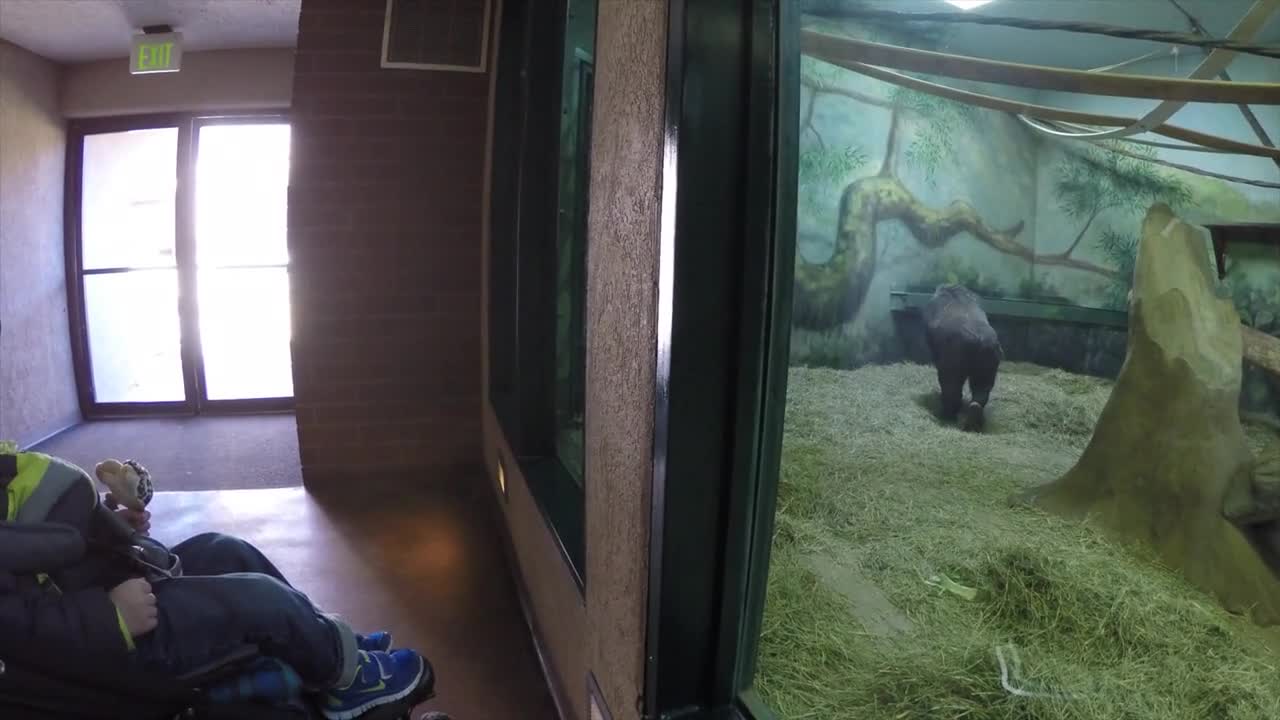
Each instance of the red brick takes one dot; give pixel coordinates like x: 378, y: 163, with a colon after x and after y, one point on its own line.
x: 326, y: 62
x: 304, y: 216
x: 384, y: 212
x: 311, y: 105
x: 355, y: 38
x: 338, y: 18
x: 346, y: 84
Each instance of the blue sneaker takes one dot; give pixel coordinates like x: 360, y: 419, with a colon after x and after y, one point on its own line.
x: 374, y: 642
x: 267, y: 680
x: 381, y: 678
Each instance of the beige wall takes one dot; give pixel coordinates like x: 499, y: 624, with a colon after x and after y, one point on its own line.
x: 37, y: 387
x: 604, y: 633
x: 214, y: 80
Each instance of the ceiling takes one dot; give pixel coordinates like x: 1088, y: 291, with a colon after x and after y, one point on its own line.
x: 81, y: 30
x: 1063, y: 49
x: 72, y: 31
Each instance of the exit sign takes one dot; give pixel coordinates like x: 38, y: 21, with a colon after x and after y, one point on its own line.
x: 156, y: 53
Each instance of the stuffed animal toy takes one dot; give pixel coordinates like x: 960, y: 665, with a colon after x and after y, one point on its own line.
x: 128, y: 481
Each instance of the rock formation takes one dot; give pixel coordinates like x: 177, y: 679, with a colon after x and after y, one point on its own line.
x: 1169, y: 448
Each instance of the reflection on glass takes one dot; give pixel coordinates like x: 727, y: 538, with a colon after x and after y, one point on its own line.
x: 571, y: 237
x: 1021, y: 495
x: 242, y: 182
x: 127, y: 199
x: 244, y: 333
x: 134, y: 336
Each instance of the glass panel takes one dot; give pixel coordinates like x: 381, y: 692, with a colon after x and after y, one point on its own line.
x: 242, y: 186
x: 135, y: 341
x: 245, y: 333
x: 127, y: 199
x: 571, y: 238
x: 1023, y: 474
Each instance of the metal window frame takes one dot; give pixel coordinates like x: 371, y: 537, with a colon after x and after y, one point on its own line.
x: 523, y: 267
x: 726, y: 268
x: 196, y: 399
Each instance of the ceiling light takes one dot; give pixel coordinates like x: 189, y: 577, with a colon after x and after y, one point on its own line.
x: 968, y: 4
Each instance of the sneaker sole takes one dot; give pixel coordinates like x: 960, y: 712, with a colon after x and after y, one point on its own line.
x: 373, y: 703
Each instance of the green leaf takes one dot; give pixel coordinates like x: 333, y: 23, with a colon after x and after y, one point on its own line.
x: 829, y: 167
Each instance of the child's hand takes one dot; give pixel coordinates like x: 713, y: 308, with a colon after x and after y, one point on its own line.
x: 137, y: 605
x: 139, y: 520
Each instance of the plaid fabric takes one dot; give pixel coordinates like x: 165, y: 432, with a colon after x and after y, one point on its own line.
x: 267, y: 680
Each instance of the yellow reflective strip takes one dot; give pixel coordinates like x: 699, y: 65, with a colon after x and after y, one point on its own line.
x: 124, y: 629
x: 31, y: 468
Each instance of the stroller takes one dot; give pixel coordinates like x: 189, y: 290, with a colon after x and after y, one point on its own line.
x: 37, y: 538
x: 37, y: 694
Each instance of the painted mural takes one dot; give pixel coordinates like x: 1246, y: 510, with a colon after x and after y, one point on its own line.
x: 903, y: 191
x: 1087, y: 546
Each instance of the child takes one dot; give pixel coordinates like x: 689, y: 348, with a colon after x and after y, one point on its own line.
x: 229, y: 595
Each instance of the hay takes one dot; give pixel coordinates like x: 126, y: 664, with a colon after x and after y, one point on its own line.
x: 874, y: 482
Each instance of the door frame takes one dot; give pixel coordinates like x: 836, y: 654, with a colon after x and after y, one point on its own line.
x: 196, y: 396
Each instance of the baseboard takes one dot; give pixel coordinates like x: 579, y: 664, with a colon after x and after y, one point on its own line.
x: 63, y: 426
x: 553, y: 680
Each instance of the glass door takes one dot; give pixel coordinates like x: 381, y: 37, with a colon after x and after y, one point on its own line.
x: 241, y: 196
x: 177, y: 247
x: 129, y: 273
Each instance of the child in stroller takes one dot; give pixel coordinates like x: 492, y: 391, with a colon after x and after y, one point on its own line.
x: 84, y: 591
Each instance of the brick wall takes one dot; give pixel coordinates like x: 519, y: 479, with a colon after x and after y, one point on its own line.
x: 384, y: 234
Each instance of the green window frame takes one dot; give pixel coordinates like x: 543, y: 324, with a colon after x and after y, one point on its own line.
x: 537, y: 278
x: 725, y: 277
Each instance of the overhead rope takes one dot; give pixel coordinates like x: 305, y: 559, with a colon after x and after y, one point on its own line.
x: 836, y: 48
x: 1117, y: 31
x: 992, y: 102
x: 1216, y: 62
x: 1249, y: 116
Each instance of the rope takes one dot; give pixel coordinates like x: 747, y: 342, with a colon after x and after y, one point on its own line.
x: 1185, y: 147
x: 1165, y: 36
x: 1011, y: 670
x: 1216, y: 62
x: 1168, y: 163
x: 992, y: 102
x: 1249, y: 116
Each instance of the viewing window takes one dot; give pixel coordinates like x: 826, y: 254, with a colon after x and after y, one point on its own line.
x: 1029, y: 421
x: 538, y: 254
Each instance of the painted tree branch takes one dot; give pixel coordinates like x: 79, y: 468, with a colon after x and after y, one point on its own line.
x: 1080, y: 235
x: 820, y: 88
x: 831, y: 293
x: 1187, y: 168
x: 808, y: 119
x: 891, y: 144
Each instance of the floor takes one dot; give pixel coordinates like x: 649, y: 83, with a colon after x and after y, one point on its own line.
x: 197, y: 453
x: 424, y: 563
